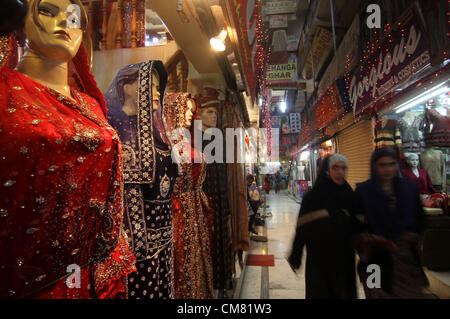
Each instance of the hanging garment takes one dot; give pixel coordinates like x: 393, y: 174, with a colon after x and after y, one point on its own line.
x: 412, y: 138
x: 193, y: 217
x: 433, y: 162
x: 387, y: 134
x: 437, y: 132
x: 216, y: 187
x: 61, y: 191
x: 149, y: 179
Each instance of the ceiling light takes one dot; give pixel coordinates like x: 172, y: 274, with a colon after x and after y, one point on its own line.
x: 437, y: 90
x: 223, y: 35
x: 217, y: 44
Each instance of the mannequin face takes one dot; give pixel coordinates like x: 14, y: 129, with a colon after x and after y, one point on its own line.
x: 338, y: 172
x: 413, y: 161
x: 189, y: 113
x: 131, y: 95
x: 58, y: 39
x: 155, y: 91
x: 208, y: 116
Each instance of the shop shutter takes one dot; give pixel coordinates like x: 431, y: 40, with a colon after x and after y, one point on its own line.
x: 356, y: 143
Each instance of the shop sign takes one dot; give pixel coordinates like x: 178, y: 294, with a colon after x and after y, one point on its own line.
x: 345, y: 59
x: 275, y: 121
x: 321, y: 48
x: 281, y: 72
x: 278, y: 7
x: 278, y: 21
x: 292, y: 42
x: 244, y: 14
x: 295, y: 121
x: 401, y: 55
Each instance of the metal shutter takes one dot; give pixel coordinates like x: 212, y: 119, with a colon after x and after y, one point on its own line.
x: 356, y: 143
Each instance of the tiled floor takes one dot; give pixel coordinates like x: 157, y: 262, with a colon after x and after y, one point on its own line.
x: 283, y: 283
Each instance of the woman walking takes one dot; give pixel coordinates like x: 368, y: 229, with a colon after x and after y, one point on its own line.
x: 394, y: 219
x: 325, y: 225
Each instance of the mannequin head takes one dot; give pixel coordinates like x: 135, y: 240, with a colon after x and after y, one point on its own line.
x: 54, y: 28
x: 130, y: 96
x: 208, y: 116
x: 156, y: 93
x: 413, y: 160
x: 190, y: 111
x: 208, y: 102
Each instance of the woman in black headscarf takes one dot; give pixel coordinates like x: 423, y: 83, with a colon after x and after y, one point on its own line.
x: 325, y: 225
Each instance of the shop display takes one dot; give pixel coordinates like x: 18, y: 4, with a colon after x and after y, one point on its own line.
x: 193, y: 215
x: 60, y: 204
x: 411, y: 127
x: 387, y: 133
x: 418, y: 175
x: 434, y: 162
x: 437, y: 131
x: 149, y: 175
x: 216, y: 187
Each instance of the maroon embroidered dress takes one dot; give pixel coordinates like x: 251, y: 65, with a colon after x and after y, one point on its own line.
x: 60, y: 194
x: 193, y: 217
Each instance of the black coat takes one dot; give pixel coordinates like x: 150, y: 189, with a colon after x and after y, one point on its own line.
x: 330, y: 261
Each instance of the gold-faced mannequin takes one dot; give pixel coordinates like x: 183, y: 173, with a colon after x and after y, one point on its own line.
x: 54, y: 32
x: 130, y: 93
x: 190, y: 111
x: 156, y: 95
x: 208, y: 116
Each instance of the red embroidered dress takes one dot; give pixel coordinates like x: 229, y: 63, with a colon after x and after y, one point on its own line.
x: 193, y: 216
x: 60, y: 194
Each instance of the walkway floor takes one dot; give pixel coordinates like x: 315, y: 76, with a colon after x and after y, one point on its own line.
x: 278, y: 282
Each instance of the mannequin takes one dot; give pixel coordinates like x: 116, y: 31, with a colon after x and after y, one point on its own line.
x: 418, y: 175
x: 62, y: 203
x: 434, y: 162
x: 192, y: 212
x: 149, y: 175
x: 216, y: 186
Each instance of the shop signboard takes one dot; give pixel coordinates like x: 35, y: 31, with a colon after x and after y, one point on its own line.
x: 244, y: 14
x: 403, y: 54
x: 278, y: 21
x: 321, y: 48
x: 278, y: 7
x: 345, y: 59
x: 292, y: 43
x: 275, y: 121
x: 281, y: 72
x: 295, y: 121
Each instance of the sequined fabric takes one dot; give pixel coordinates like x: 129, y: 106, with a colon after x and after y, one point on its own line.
x: 60, y: 194
x: 149, y: 179
x: 193, y: 215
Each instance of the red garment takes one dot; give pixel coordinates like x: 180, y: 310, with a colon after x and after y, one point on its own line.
x: 193, y: 216
x: 60, y: 194
x: 423, y: 181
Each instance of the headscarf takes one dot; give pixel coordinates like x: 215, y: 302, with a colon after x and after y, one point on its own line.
x: 141, y: 134
x: 327, y: 194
